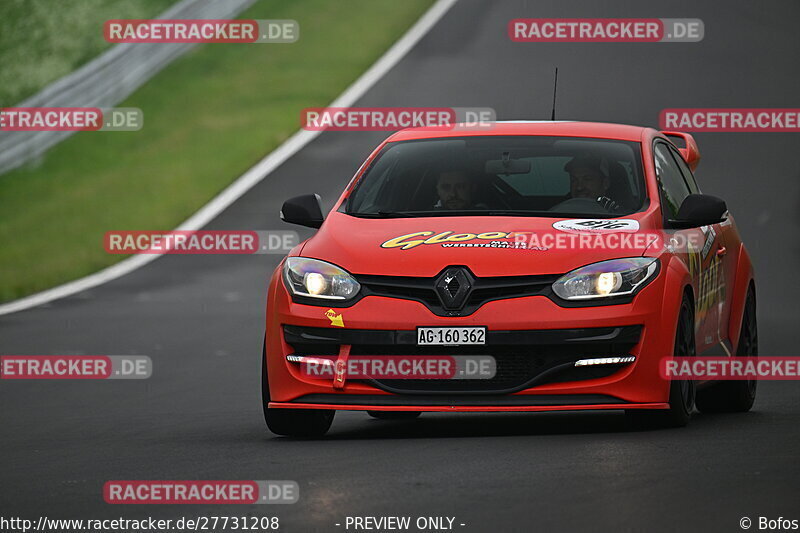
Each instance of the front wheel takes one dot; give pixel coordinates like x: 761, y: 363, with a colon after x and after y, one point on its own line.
x: 306, y: 423
x: 682, y: 393
x: 735, y: 396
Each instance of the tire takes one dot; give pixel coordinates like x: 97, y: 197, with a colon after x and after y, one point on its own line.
x: 682, y: 393
x: 394, y: 415
x: 736, y: 396
x: 305, y: 423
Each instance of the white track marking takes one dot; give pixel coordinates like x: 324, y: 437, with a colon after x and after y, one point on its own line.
x: 250, y: 178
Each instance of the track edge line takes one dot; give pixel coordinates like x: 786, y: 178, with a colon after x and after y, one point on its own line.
x: 251, y: 177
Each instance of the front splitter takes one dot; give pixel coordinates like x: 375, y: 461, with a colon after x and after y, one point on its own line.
x: 468, y: 408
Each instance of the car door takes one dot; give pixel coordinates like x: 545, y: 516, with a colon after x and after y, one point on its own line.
x: 699, y: 260
x: 722, y: 244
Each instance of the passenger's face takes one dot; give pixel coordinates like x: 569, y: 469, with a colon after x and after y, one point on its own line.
x: 455, y: 190
x: 587, y: 183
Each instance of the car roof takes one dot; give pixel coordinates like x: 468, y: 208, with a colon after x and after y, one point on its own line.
x: 598, y: 130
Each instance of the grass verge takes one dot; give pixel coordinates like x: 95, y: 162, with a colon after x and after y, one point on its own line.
x: 208, y: 117
x: 43, y: 40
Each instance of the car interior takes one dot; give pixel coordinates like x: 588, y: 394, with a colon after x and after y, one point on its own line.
x: 535, y: 180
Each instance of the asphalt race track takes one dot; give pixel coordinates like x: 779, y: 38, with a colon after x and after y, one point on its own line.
x: 200, y: 319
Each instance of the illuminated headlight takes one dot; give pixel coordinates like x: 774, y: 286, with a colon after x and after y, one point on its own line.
x: 318, y: 279
x: 617, y: 277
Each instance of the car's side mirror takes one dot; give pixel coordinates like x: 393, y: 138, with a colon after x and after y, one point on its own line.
x: 303, y: 210
x: 699, y: 210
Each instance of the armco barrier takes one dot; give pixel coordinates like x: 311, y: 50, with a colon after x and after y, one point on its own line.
x: 107, y: 80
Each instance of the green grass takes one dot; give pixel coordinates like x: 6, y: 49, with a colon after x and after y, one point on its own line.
x: 42, y: 40
x: 208, y: 117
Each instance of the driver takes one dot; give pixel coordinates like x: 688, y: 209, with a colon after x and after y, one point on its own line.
x: 455, y: 189
x: 589, y: 178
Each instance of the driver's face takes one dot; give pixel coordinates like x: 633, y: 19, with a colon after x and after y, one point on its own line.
x: 587, y: 183
x: 455, y: 190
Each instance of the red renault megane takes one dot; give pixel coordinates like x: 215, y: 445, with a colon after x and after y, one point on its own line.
x: 576, y: 255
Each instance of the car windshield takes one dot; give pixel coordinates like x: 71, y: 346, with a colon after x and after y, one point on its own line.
x: 502, y: 175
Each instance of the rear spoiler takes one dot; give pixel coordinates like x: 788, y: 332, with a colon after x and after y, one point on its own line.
x: 690, y: 151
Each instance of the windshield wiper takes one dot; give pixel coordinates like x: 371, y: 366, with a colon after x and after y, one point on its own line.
x: 514, y: 213
x: 383, y: 214
x: 395, y: 214
x: 478, y: 213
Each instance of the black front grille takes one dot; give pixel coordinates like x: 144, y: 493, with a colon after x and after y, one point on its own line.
x: 517, y: 367
x: 483, y: 290
x: 524, y: 358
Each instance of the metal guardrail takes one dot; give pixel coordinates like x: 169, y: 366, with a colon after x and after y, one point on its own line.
x: 107, y: 80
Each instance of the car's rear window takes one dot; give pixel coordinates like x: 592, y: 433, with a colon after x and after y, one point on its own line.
x: 502, y: 175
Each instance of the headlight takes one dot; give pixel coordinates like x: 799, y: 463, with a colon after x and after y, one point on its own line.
x: 617, y: 277
x: 317, y: 279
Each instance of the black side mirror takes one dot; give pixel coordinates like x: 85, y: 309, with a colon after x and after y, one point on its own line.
x: 303, y: 210
x: 699, y: 210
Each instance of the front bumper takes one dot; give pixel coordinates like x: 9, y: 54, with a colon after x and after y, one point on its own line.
x: 563, y: 404
x: 528, y: 336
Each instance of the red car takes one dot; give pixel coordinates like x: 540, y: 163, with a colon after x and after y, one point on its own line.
x: 576, y: 255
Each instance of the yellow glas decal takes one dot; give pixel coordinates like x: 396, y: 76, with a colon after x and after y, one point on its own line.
x: 404, y: 242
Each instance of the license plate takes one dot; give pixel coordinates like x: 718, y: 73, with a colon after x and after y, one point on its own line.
x: 445, y: 336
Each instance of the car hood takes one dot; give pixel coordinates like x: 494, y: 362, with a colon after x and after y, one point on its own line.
x: 425, y: 246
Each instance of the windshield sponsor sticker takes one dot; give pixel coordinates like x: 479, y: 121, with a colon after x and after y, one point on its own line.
x: 592, y: 225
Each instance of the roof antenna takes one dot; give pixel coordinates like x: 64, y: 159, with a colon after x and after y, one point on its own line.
x: 555, y: 86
